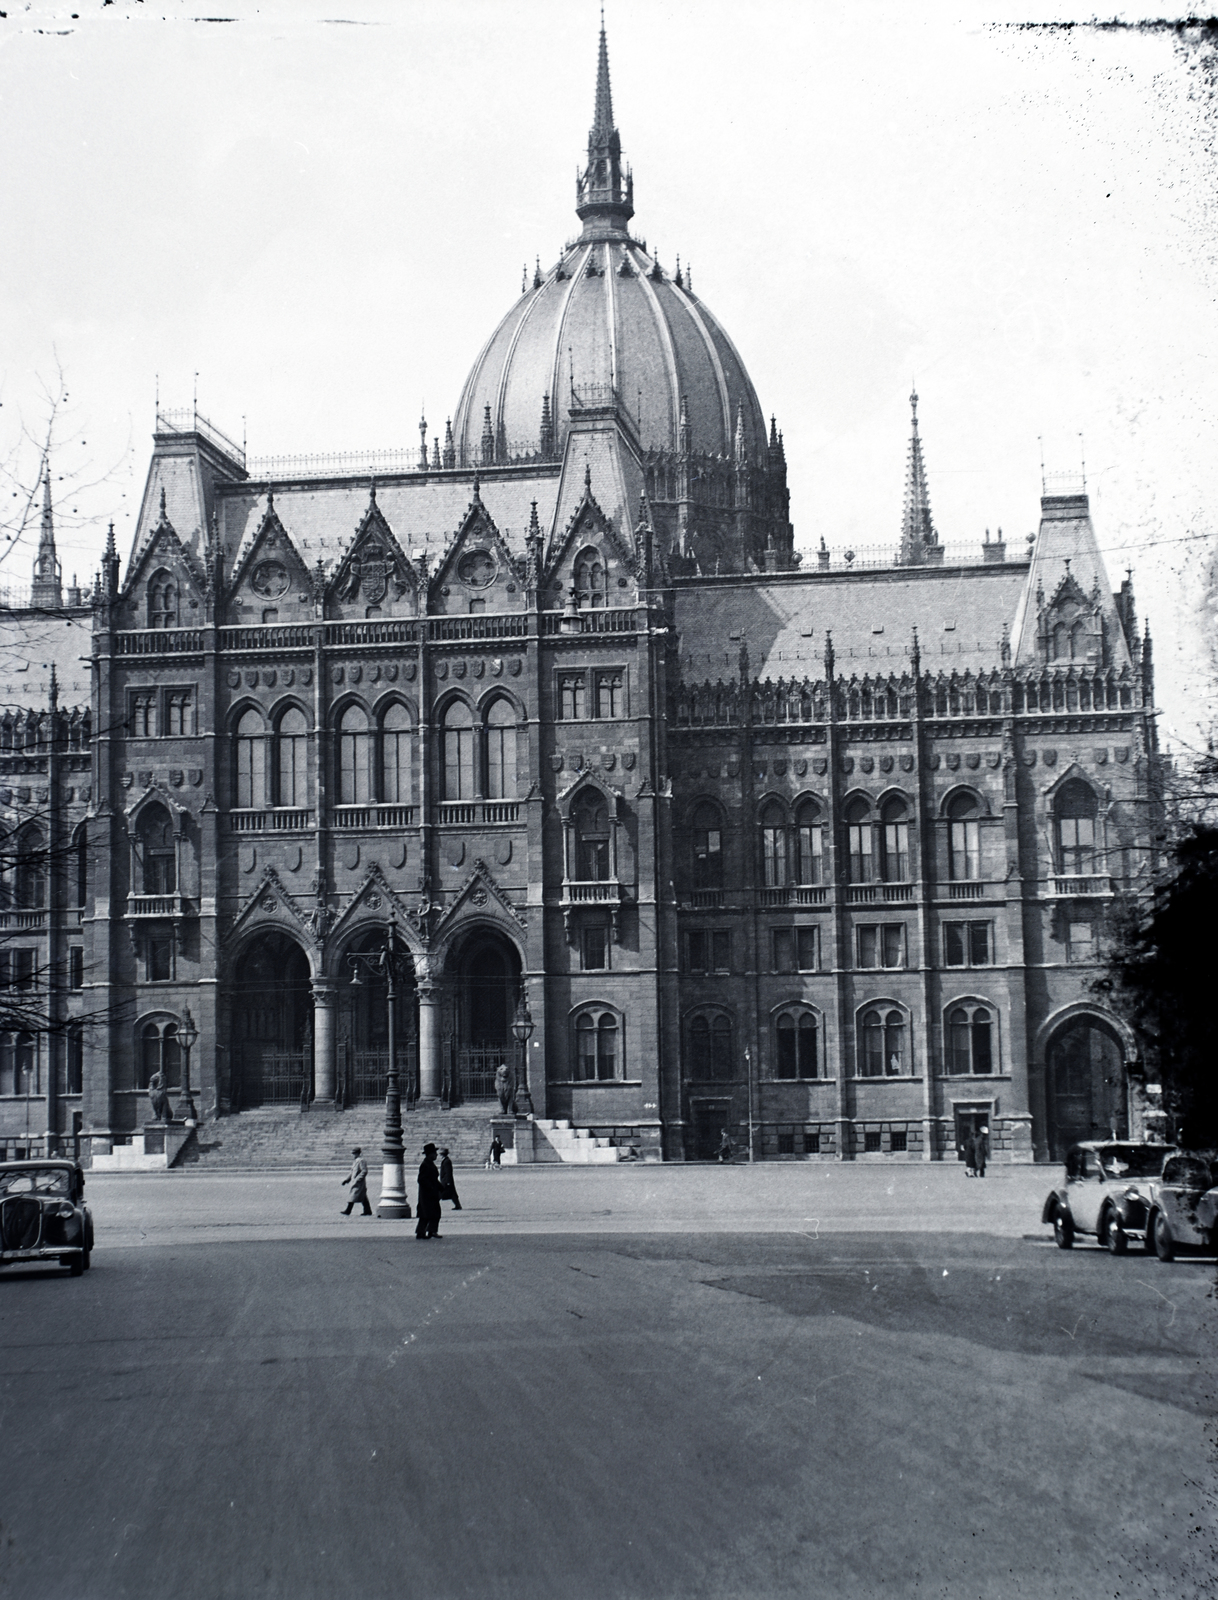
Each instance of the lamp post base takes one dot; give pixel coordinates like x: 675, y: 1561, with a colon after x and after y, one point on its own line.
x: 393, y: 1204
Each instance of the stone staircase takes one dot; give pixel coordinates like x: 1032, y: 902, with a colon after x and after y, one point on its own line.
x: 285, y: 1137
x: 558, y: 1140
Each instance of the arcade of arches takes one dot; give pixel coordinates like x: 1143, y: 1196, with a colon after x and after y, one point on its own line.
x: 293, y: 1038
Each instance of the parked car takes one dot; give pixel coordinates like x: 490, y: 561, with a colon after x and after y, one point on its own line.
x: 1185, y: 1212
x: 43, y: 1216
x: 1109, y: 1190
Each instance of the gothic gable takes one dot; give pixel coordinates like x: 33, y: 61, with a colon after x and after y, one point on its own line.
x: 179, y: 597
x: 1070, y: 626
x: 377, y: 902
x: 272, y: 575
x: 589, y: 558
x: 478, y: 571
x: 272, y: 906
x: 374, y: 577
x: 481, y: 894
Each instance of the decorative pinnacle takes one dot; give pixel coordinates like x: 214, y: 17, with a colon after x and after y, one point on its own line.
x: 918, y: 528
x: 602, y: 118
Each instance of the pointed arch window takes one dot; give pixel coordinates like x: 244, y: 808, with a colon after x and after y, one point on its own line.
x: 709, y: 1046
x: 796, y: 1054
x: 160, y: 1052
x: 591, y: 818
x: 158, y: 851
x: 459, y: 752
x: 859, y: 841
x: 31, y: 869
x: 162, y: 600
x: 396, y: 747
x: 894, y: 842
x: 251, y: 760
x: 882, y: 1044
x: 590, y: 584
x: 354, y: 758
x: 809, y: 844
x: 970, y: 1040
x: 1076, y: 809
x: 292, y: 759
x: 598, y: 1054
x: 773, y: 846
x: 501, y: 751
x: 707, y: 843
x: 964, y: 837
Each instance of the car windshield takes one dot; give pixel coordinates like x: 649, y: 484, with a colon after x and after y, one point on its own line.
x: 1133, y: 1160
x: 1190, y: 1172
x: 34, y: 1180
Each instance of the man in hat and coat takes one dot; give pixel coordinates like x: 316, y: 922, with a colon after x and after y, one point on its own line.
x: 428, y: 1210
x: 448, y: 1187
x: 358, y: 1179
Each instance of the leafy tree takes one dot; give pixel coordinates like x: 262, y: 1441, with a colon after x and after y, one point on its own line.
x: 1158, y: 975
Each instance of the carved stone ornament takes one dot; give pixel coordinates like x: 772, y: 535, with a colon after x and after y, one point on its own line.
x: 391, y: 672
x: 177, y: 777
x: 397, y: 855
x: 556, y: 763
x: 907, y: 763
x: 194, y: 776
x: 503, y: 851
x: 514, y: 666
x: 270, y: 579
x: 306, y: 675
x: 801, y: 767
x: 374, y: 674
x: 441, y: 670
x: 820, y: 766
x: 867, y: 763
x: 458, y: 669
x: 479, y: 897
x: 454, y: 851
x: 953, y: 761
x: 628, y: 760
x: 477, y: 568
x: 496, y: 666
x: 847, y: 764
x: 373, y: 902
x: 733, y: 768
x: 234, y: 680
x: 337, y: 675
x: 410, y: 671
x: 886, y: 763
x: 1101, y: 758
x: 249, y: 858
x: 608, y: 760
x: 269, y: 678
x: 994, y: 759
x: 270, y: 904
x: 350, y: 857
x: 780, y: 769
x: 356, y: 673
x: 1029, y: 758
x: 935, y: 762
x: 973, y: 759
x: 127, y: 779
x: 1049, y: 757
x: 251, y: 680
x: 759, y: 769
x: 1122, y: 753
x: 142, y: 778
x: 86, y: 793
x: 289, y: 676
x: 479, y: 669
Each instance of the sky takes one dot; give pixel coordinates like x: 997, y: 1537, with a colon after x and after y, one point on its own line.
x: 322, y: 209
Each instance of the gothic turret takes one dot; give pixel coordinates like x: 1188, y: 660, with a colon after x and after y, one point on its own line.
x: 46, y: 589
x: 919, y: 541
x: 604, y: 197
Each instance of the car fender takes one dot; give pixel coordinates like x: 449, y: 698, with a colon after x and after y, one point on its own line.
x: 1052, y: 1205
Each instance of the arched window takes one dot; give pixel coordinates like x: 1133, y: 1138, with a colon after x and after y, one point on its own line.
x: 162, y: 600
x: 1075, y: 813
x: 707, y: 846
x: 31, y: 869
x: 970, y: 1040
x: 796, y: 1054
x: 964, y: 838
x: 894, y: 842
x: 1061, y: 642
x: 598, y: 1054
x: 18, y: 1063
x: 709, y: 1044
x: 501, y: 751
x: 251, y: 760
x: 292, y: 759
x: 858, y: 841
x: 160, y: 1052
x: 395, y: 755
x: 773, y: 846
x: 156, y: 842
x: 882, y: 1043
x: 590, y: 577
x: 591, y: 816
x: 354, y: 765
x: 458, y: 752
x: 809, y: 844
x: 80, y: 865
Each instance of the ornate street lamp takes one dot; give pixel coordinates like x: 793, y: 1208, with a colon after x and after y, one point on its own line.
x: 188, y: 1036
x: 522, y: 1027
x: 390, y: 965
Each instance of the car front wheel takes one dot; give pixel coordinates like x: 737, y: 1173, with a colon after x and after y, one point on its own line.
x: 1114, y: 1235
x: 76, y: 1266
x: 1165, y: 1245
x: 1063, y: 1230
x: 86, y: 1260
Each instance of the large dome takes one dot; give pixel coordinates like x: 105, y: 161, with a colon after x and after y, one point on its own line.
x: 607, y: 318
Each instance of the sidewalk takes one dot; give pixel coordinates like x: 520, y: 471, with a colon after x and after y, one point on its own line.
x: 806, y: 1197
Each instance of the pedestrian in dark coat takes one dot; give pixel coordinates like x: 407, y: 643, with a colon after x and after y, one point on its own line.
x: 966, y: 1150
x: 428, y: 1210
x: 725, y: 1146
x: 358, y: 1179
x: 448, y: 1188
x: 981, y: 1151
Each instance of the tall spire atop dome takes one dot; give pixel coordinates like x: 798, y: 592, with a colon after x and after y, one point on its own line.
x: 918, y: 536
x: 46, y: 590
x: 604, y: 195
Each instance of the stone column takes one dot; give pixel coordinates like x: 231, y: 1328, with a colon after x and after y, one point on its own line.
x: 430, y: 1073
x: 325, y: 997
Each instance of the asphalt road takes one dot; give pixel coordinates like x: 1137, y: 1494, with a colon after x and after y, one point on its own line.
x: 553, y: 1412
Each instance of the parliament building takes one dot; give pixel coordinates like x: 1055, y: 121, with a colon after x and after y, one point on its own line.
x: 815, y: 849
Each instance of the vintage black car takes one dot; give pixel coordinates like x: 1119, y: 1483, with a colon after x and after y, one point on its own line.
x: 43, y: 1216
x: 1109, y: 1189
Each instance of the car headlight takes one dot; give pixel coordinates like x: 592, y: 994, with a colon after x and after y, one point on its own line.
x: 1133, y: 1194
x: 63, y: 1210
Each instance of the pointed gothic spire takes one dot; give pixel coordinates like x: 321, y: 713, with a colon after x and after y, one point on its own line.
x: 488, y: 437
x: 917, y: 529
x: 604, y: 195
x: 435, y: 452
x: 450, y: 451
x: 423, y: 443
x: 46, y: 589
x: 602, y: 120
x: 738, y: 444
x: 53, y: 690
x: 684, y: 431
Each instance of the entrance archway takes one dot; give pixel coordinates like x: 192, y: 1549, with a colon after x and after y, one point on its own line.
x: 484, y: 987
x: 1085, y: 1088
x: 272, y: 1029
x: 363, y: 1029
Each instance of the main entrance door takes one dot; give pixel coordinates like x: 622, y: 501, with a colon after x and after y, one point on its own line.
x: 272, y: 1037
x: 1084, y: 1086
x: 710, y: 1117
x: 485, y: 972
x: 363, y: 1032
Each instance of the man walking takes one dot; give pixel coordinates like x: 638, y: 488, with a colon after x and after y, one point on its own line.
x: 358, y: 1179
x: 448, y: 1188
x: 981, y: 1150
x: 428, y: 1211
